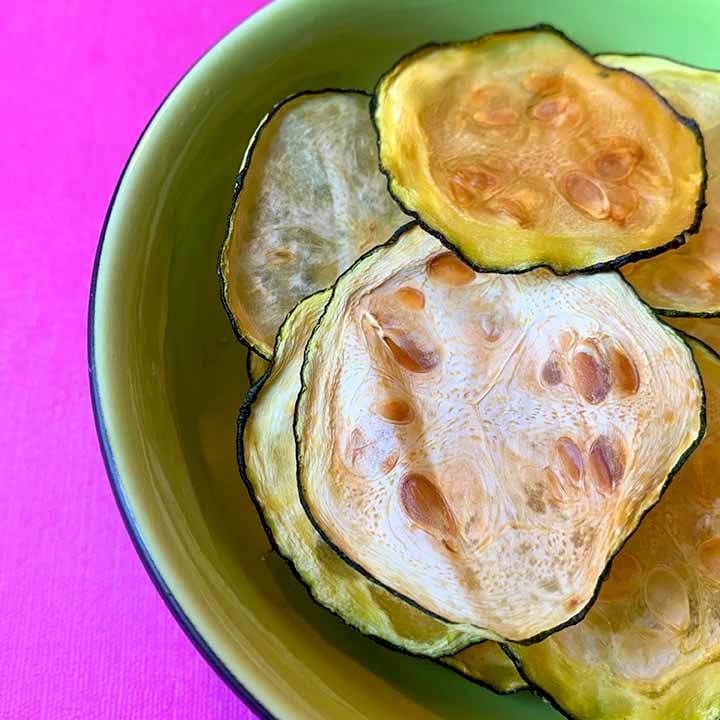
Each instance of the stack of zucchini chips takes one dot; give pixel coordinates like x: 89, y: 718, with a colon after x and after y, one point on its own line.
x: 485, y: 416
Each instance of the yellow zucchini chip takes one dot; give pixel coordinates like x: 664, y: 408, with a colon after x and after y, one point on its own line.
x: 705, y: 329
x: 309, y: 200
x: 685, y: 281
x: 266, y: 453
x: 650, y: 647
x: 487, y: 665
x: 483, y: 444
x: 520, y: 150
x: 256, y: 366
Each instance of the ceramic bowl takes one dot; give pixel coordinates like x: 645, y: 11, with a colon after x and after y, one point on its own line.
x: 168, y: 375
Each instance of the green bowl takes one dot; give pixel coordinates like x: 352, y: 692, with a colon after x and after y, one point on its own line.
x: 168, y: 375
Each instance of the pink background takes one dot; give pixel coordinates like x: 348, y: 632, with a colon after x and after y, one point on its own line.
x: 83, y: 632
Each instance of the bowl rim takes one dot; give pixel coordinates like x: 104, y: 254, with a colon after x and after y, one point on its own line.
x: 101, y: 428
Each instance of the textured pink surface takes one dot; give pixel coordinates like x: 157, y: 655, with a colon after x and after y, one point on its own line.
x: 83, y: 632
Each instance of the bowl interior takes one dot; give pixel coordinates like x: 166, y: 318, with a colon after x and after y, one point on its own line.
x: 170, y: 375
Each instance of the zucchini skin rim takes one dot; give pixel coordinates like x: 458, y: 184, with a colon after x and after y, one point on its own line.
x: 243, y: 417
x: 612, y: 264
x: 243, y: 337
x: 603, y: 576
x: 673, y: 312
x: 658, y: 56
x: 533, y: 687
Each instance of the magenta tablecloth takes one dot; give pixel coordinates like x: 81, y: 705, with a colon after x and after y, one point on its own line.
x: 83, y: 632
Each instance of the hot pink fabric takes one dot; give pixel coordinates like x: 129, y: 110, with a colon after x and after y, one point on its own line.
x: 83, y: 632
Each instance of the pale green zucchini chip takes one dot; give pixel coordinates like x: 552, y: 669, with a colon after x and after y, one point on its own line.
x: 685, y: 281
x: 309, y: 200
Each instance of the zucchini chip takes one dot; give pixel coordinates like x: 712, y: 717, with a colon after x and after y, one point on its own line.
x: 520, y: 150
x: 650, y: 647
x: 487, y: 665
x: 309, y: 200
x: 687, y: 280
x: 256, y: 366
x: 483, y: 444
x: 266, y: 453
x: 705, y: 329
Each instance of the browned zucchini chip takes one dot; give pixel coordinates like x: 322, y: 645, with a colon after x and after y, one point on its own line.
x: 650, y: 647
x: 685, y: 281
x: 309, y: 201
x: 520, y: 150
x: 705, y: 329
x: 266, y: 453
x: 486, y: 664
x: 483, y: 444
